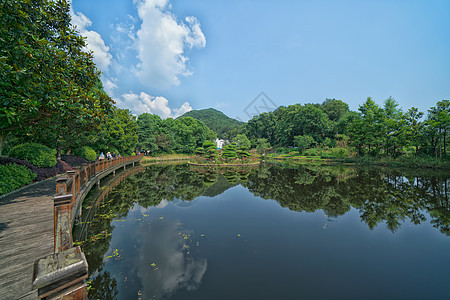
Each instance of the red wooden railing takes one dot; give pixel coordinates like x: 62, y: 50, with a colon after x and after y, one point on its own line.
x: 64, y: 272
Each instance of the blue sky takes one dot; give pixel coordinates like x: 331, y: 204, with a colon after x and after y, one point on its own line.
x: 167, y: 57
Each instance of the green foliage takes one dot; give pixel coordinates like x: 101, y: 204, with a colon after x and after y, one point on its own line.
x: 200, y: 151
x: 212, y: 153
x: 243, y: 141
x: 242, y: 153
x: 13, y: 176
x: 182, y: 135
x: 229, y: 151
x: 337, y: 152
x: 118, y: 134
x: 334, y: 109
x: 50, y: 89
x: 209, y: 145
x: 304, y: 142
x: 224, y: 126
x: 37, y: 154
x: 262, y: 145
x: 87, y: 153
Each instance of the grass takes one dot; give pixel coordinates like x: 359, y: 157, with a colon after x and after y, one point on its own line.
x: 165, y: 157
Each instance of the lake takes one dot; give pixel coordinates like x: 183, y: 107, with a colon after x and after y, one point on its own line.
x: 269, y: 232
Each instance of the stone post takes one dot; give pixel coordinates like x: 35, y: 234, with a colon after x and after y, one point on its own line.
x: 61, y: 275
x: 62, y: 210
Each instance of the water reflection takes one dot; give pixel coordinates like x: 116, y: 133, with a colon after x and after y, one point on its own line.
x: 161, y: 257
x: 381, y: 195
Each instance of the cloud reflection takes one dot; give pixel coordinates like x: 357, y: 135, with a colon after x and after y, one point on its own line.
x: 163, y: 243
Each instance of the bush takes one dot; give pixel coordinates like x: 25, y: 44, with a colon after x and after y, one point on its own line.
x: 313, y: 152
x: 37, y: 154
x: 87, y: 153
x: 13, y: 176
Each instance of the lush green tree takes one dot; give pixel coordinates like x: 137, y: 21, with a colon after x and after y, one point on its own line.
x: 182, y: 135
x: 262, y: 126
x: 302, y: 120
x: 47, y: 81
x: 119, y: 133
x: 414, y: 127
x: 148, y: 125
x: 366, y: 131
x: 303, y: 142
x: 394, y: 129
x: 242, y: 141
x: 262, y: 145
x: 334, y: 109
x: 438, y: 125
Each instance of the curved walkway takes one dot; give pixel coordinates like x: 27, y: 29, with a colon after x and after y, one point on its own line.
x: 26, y: 234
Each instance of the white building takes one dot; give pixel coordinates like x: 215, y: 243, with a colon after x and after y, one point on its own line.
x: 219, y: 143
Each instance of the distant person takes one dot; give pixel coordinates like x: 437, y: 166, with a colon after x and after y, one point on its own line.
x: 114, y: 155
x: 101, y: 156
x: 108, y: 155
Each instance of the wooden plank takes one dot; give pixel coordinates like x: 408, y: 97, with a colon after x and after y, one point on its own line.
x: 26, y: 235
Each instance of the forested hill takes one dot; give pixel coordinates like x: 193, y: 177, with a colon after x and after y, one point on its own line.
x: 224, y: 126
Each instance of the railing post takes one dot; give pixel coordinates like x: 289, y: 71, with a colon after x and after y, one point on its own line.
x: 77, y: 180
x: 72, y: 176
x: 84, y: 176
x: 61, y: 275
x: 61, y: 186
x: 62, y: 214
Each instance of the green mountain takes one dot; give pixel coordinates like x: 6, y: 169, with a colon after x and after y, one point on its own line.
x: 217, y: 121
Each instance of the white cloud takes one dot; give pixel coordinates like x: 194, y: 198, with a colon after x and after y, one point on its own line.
x: 94, y: 41
x: 161, y: 42
x: 145, y: 103
x: 109, y: 85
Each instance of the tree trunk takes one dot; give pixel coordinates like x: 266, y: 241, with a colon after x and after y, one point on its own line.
x: 58, y: 151
x: 2, y: 142
x: 445, y: 148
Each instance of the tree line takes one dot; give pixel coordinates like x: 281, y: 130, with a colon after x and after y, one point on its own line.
x: 373, y: 130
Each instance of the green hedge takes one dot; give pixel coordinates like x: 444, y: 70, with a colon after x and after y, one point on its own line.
x: 37, y: 154
x: 13, y: 176
x: 87, y: 153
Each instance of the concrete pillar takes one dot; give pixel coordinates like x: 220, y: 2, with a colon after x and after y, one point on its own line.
x: 61, y: 275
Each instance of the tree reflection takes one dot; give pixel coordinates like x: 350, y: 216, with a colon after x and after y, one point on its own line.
x: 380, y: 195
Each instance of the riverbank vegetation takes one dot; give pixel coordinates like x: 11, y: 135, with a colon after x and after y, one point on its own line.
x: 374, y: 134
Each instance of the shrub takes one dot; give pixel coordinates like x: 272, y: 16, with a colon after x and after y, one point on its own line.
x: 229, y: 151
x: 200, y: 151
x: 87, y: 153
x: 209, y: 145
x: 37, y: 154
x: 13, y: 176
x: 313, y: 152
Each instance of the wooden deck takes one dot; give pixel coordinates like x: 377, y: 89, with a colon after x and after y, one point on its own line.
x: 26, y: 234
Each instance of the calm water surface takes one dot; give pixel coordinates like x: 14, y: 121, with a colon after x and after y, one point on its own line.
x: 270, y: 232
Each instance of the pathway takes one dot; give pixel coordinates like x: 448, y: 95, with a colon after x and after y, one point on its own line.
x: 26, y: 234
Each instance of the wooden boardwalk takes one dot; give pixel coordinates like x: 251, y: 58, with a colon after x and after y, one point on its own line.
x: 26, y: 234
